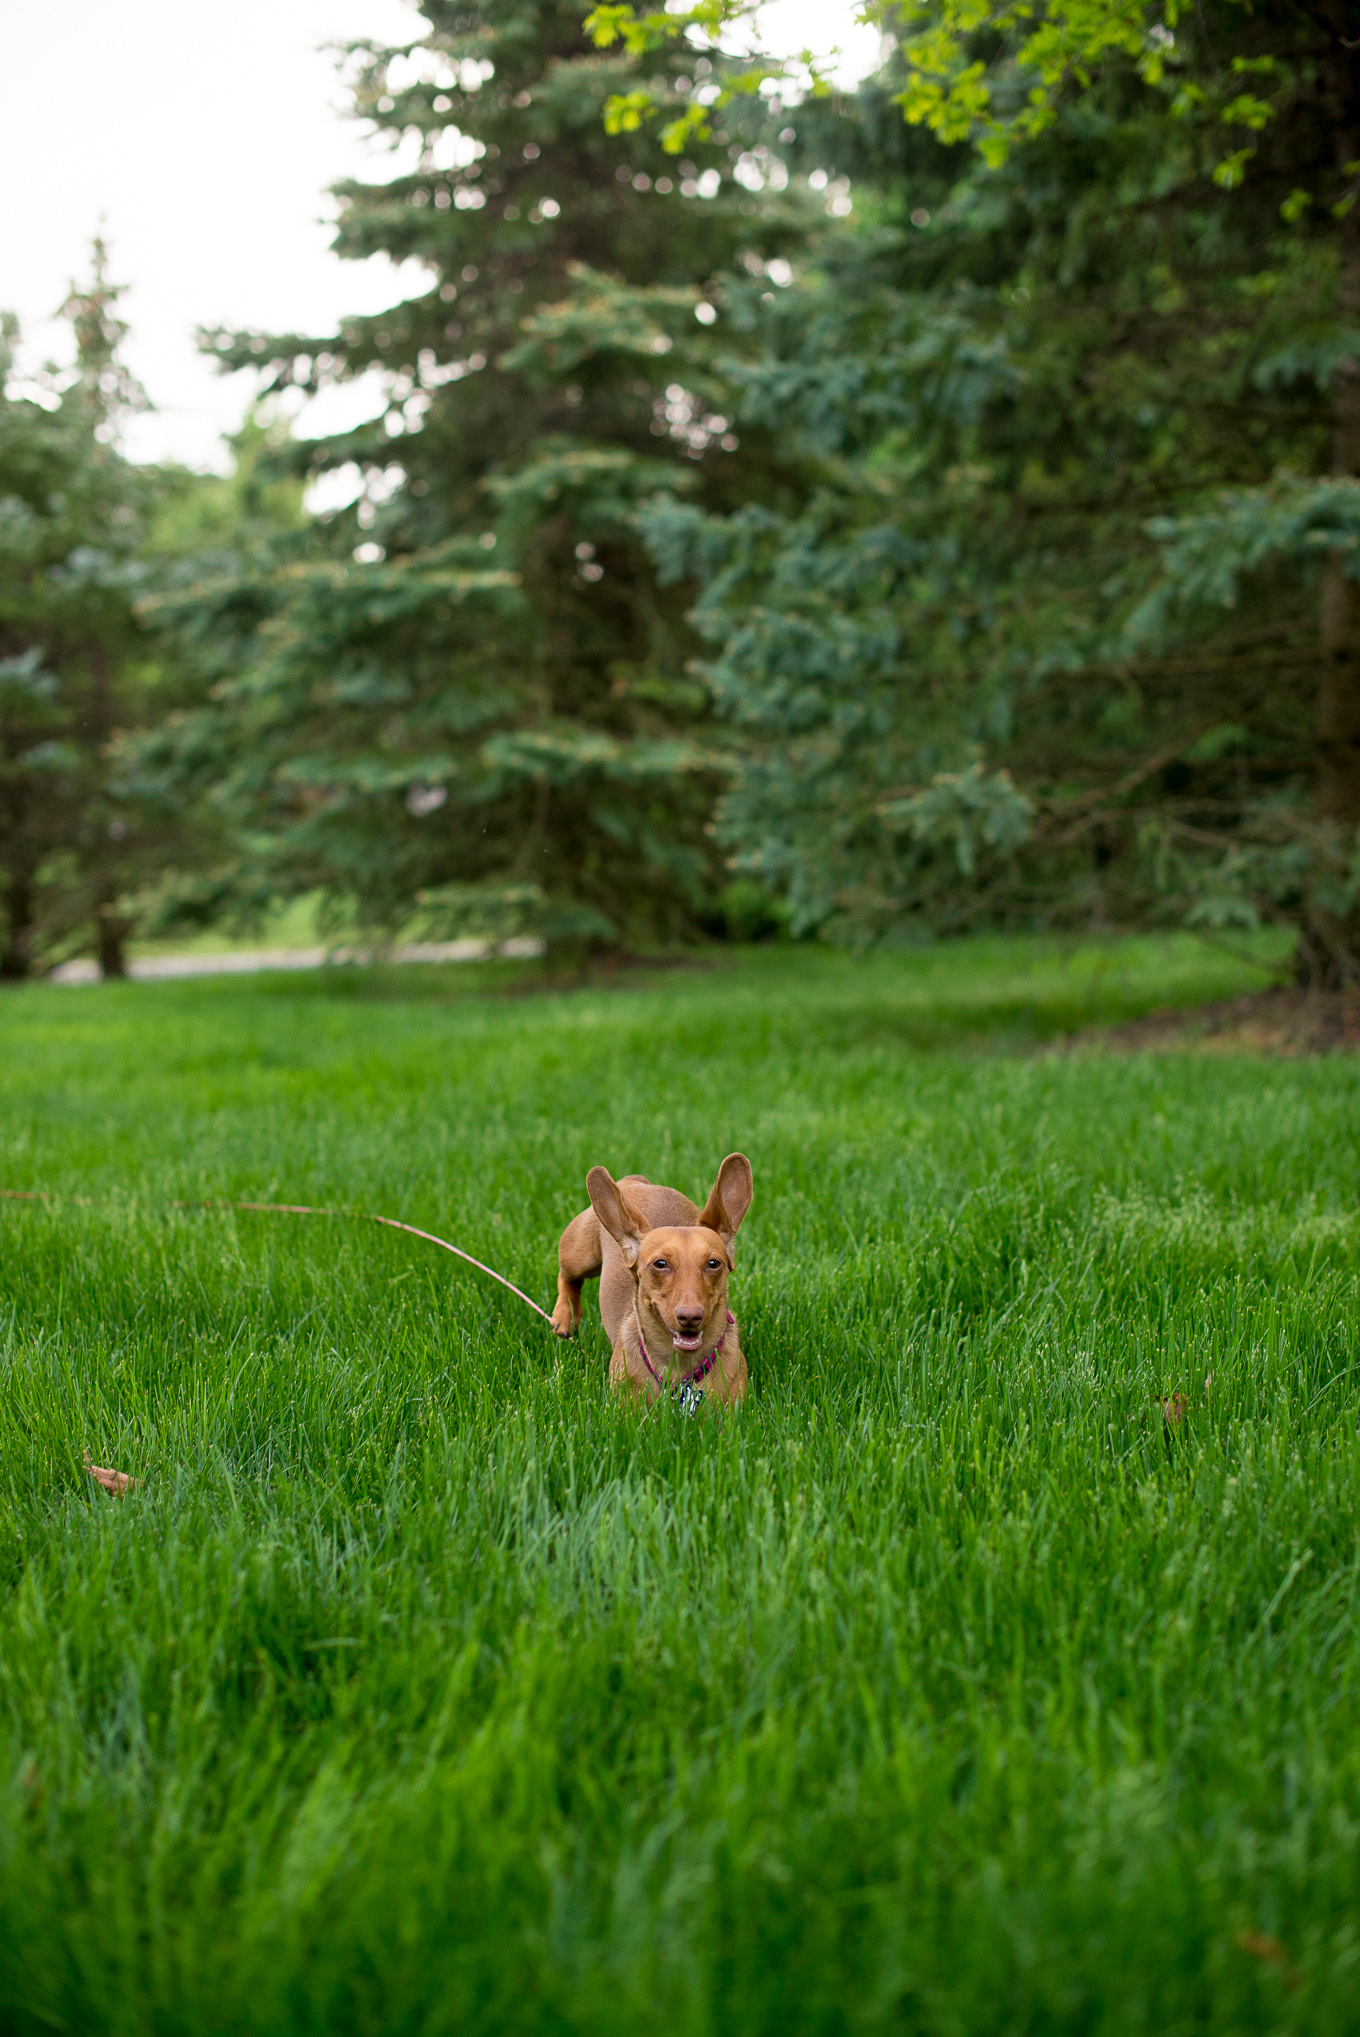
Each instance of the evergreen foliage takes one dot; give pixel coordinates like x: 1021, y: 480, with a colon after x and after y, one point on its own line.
x: 1068, y: 625
x: 471, y: 692
x: 74, y: 665
x: 987, y: 555
x: 95, y: 834
x: 213, y: 546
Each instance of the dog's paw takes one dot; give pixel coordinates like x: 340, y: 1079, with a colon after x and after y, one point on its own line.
x: 563, y: 1319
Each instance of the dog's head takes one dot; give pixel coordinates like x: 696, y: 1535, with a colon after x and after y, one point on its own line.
x: 680, y: 1271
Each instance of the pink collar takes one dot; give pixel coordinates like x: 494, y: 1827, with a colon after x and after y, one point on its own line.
x: 700, y: 1371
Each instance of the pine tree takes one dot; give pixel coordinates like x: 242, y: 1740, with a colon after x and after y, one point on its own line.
x: 71, y: 653
x: 1043, y: 641
x: 213, y: 549
x: 473, y: 692
x: 92, y: 837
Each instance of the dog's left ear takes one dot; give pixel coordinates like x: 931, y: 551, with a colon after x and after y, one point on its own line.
x: 729, y: 1202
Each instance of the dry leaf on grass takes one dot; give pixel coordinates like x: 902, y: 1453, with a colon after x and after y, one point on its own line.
x: 116, y: 1482
x: 1177, y: 1405
x: 1262, y: 1946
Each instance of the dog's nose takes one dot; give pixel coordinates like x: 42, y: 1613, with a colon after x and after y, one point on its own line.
x: 690, y: 1318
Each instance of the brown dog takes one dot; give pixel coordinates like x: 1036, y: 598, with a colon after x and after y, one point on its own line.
x: 663, y: 1267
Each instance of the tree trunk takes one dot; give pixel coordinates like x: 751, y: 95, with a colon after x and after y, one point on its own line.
x: 1330, y: 951
x: 109, y: 932
x: 17, y: 958
x: 112, y: 933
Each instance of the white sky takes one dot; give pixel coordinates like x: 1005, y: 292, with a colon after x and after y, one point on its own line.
x: 203, y: 138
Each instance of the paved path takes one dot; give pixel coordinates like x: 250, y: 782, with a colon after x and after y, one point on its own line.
x: 246, y: 962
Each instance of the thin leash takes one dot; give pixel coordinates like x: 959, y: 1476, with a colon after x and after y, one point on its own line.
x: 303, y: 1209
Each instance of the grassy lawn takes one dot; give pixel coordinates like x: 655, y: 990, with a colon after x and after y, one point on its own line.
x: 420, y: 1688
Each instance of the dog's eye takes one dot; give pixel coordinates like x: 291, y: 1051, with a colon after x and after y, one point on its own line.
x: 659, y: 1265
x: 714, y: 1263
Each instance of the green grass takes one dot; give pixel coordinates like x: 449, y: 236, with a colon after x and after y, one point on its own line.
x: 420, y: 1688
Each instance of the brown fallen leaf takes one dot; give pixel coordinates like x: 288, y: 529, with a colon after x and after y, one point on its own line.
x: 1174, y: 1408
x: 1262, y: 1946
x: 116, y: 1482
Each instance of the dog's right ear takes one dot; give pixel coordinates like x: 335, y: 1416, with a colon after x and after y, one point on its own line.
x: 624, y: 1224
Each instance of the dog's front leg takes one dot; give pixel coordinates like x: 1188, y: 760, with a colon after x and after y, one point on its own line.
x: 578, y: 1260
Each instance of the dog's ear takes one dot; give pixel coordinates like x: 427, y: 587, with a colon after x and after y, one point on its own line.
x: 624, y: 1224
x: 729, y: 1202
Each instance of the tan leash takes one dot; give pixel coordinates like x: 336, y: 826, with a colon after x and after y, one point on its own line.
x: 368, y: 1216
x: 120, y: 1482
x: 303, y: 1209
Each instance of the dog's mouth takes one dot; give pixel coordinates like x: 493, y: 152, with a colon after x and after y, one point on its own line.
x: 684, y: 1342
